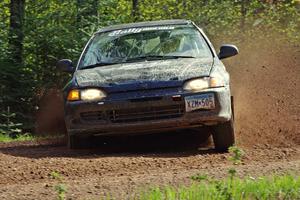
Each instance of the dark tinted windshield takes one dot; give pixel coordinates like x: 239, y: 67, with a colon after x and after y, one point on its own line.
x: 125, y: 45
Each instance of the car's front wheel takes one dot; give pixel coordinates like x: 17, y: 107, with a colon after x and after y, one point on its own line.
x: 223, y: 136
x: 79, y: 142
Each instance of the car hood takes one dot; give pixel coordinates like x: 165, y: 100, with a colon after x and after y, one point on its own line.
x: 153, y: 71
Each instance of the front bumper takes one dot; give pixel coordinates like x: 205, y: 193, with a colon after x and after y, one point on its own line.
x: 144, y: 115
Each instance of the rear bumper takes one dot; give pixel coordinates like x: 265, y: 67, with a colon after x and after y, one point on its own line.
x: 103, y: 120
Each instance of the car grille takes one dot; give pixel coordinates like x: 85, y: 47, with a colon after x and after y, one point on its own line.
x: 136, y: 114
x: 93, y: 116
x: 145, y: 114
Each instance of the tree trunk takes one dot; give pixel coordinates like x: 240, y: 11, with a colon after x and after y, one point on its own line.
x: 135, y: 10
x: 185, y: 10
x: 16, y: 35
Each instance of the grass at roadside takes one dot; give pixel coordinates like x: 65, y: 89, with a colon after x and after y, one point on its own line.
x: 275, y: 187
x: 26, y: 137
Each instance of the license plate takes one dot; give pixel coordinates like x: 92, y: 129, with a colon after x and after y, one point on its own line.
x: 202, y: 101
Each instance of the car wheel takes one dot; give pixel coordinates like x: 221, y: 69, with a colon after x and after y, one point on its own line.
x: 232, y: 107
x: 196, y: 137
x: 223, y: 136
x: 79, y: 142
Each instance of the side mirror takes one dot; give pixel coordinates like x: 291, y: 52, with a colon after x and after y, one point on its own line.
x: 228, y: 50
x: 65, y: 65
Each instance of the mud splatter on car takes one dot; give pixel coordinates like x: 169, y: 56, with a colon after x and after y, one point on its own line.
x: 149, y: 77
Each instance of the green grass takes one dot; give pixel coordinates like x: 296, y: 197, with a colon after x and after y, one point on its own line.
x: 25, y: 137
x: 275, y: 187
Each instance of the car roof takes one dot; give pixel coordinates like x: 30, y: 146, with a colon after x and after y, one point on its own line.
x: 145, y: 24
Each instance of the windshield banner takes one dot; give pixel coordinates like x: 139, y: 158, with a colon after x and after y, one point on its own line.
x: 138, y: 30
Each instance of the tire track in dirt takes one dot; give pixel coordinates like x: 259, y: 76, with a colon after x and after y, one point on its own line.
x: 25, y: 169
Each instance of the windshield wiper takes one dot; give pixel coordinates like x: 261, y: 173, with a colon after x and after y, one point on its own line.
x: 148, y: 57
x: 98, y: 65
x: 155, y: 57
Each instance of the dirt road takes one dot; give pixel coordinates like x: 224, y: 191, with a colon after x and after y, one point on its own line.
x: 266, y: 85
x: 25, y: 169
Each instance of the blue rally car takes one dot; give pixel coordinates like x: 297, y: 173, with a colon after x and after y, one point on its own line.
x: 149, y: 77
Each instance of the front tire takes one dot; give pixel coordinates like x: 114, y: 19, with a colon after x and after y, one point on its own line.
x: 223, y: 136
x: 79, y: 142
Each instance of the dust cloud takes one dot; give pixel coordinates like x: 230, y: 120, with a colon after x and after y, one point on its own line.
x: 265, y: 82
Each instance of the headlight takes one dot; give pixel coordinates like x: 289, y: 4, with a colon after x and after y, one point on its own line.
x: 203, y: 83
x: 86, y: 95
x: 92, y: 94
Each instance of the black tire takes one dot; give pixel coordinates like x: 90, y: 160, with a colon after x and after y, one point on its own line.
x: 232, y: 106
x: 79, y: 142
x: 223, y: 136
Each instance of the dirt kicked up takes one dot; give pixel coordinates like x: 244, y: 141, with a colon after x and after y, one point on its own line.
x: 266, y: 85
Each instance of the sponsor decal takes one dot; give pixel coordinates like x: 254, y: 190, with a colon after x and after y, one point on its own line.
x: 138, y: 30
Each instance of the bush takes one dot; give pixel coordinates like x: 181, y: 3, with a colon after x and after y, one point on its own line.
x: 8, y: 127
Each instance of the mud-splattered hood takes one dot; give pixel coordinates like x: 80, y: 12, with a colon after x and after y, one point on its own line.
x: 162, y: 70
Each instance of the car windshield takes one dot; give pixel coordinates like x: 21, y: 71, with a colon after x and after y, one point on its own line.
x: 145, y: 43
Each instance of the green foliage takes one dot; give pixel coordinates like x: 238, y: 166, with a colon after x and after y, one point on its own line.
x: 236, y: 158
x: 4, y: 16
x: 60, y: 188
x: 199, y: 177
x: 27, y: 137
x: 263, y: 188
x: 236, y: 155
x: 8, y: 127
x: 225, y: 190
x: 56, y: 176
x: 16, y: 91
x: 57, y: 29
x: 19, y: 138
